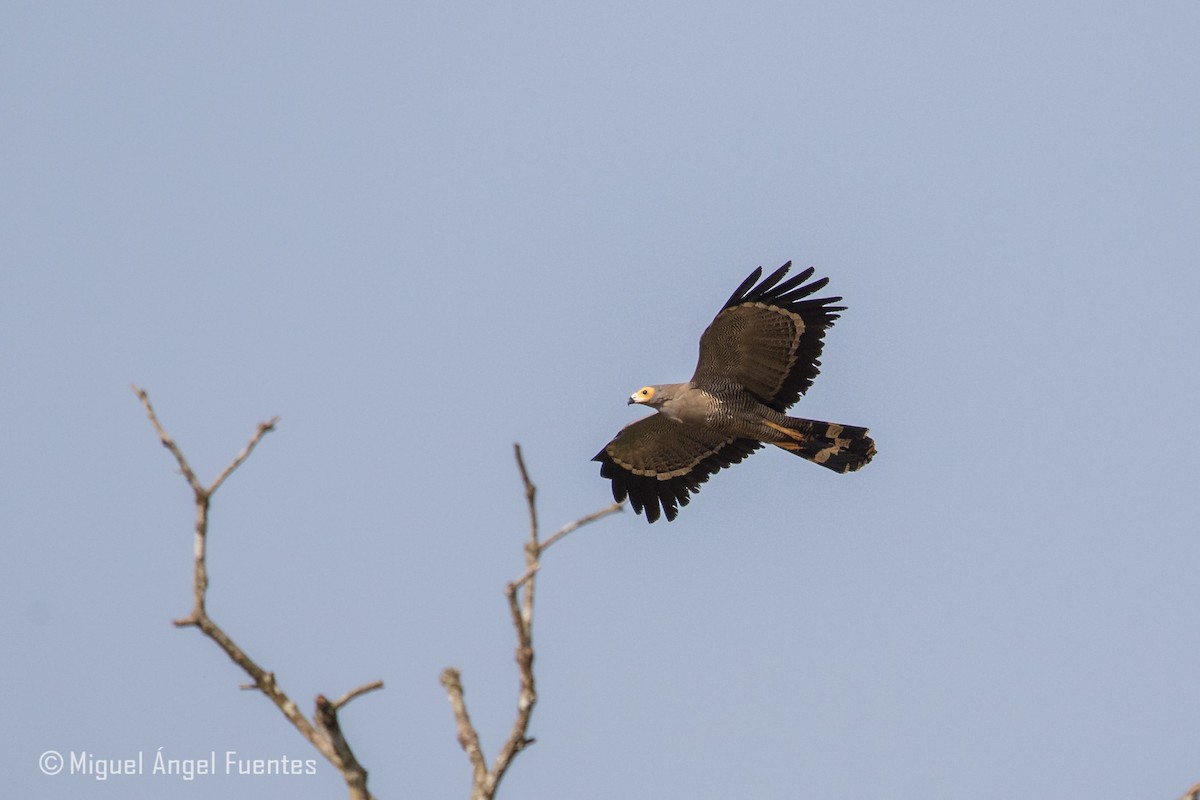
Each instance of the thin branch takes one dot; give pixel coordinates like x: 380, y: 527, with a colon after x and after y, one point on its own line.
x: 530, y: 495
x: 523, y: 618
x: 485, y: 782
x: 518, y: 738
x: 324, y: 733
x: 263, y: 429
x: 468, y: 737
x: 570, y: 527
x: 353, y: 693
x: 167, y: 441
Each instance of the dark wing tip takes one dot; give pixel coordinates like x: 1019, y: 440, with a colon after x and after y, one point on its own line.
x: 793, y: 284
x: 774, y: 289
x: 772, y: 279
x: 635, y: 488
x: 787, y: 292
x: 740, y: 292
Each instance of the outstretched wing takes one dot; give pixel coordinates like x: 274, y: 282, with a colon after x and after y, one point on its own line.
x: 656, y: 462
x: 767, y: 338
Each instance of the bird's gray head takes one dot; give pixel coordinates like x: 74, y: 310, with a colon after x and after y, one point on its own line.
x: 653, y: 396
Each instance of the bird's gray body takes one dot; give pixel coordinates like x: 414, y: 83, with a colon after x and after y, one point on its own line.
x: 732, y: 412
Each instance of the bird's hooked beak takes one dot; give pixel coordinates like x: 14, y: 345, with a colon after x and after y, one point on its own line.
x: 630, y: 401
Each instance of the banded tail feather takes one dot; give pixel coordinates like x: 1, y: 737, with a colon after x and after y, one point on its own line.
x: 841, y: 448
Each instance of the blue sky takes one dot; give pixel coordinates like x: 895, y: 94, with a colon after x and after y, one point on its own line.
x: 420, y: 232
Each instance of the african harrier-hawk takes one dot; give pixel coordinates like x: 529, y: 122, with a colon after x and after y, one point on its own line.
x: 758, y: 356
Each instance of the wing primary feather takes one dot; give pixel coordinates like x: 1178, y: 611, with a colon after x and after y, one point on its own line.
x: 769, y: 281
x: 680, y: 490
x: 651, y: 510
x: 792, y: 282
x: 740, y: 292
x: 794, y: 285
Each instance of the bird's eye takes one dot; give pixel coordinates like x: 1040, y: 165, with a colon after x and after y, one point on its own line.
x: 646, y: 392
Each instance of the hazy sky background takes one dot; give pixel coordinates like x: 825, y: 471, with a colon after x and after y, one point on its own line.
x: 419, y: 232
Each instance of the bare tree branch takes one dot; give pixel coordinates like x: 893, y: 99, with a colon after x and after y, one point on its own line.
x: 353, y: 773
x: 468, y: 737
x: 353, y: 693
x: 485, y: 782
x: 324, y: 732
x: 168, y: 442
x: 570, y: 527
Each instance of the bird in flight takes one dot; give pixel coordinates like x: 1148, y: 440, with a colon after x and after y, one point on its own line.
x: 758, y: 356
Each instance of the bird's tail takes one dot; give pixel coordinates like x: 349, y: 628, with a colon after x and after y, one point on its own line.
x: 841, y: 448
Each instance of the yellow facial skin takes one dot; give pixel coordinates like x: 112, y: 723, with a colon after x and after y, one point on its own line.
x: 643, y: 395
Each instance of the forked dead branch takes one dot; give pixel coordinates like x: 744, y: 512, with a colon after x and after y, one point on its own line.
x: 486, y: 781
x: 323, y: 731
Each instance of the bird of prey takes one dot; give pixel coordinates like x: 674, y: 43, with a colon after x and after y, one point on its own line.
x: 758, y: 356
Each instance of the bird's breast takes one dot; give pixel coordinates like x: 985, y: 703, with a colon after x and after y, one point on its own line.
x: 693, y: 407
